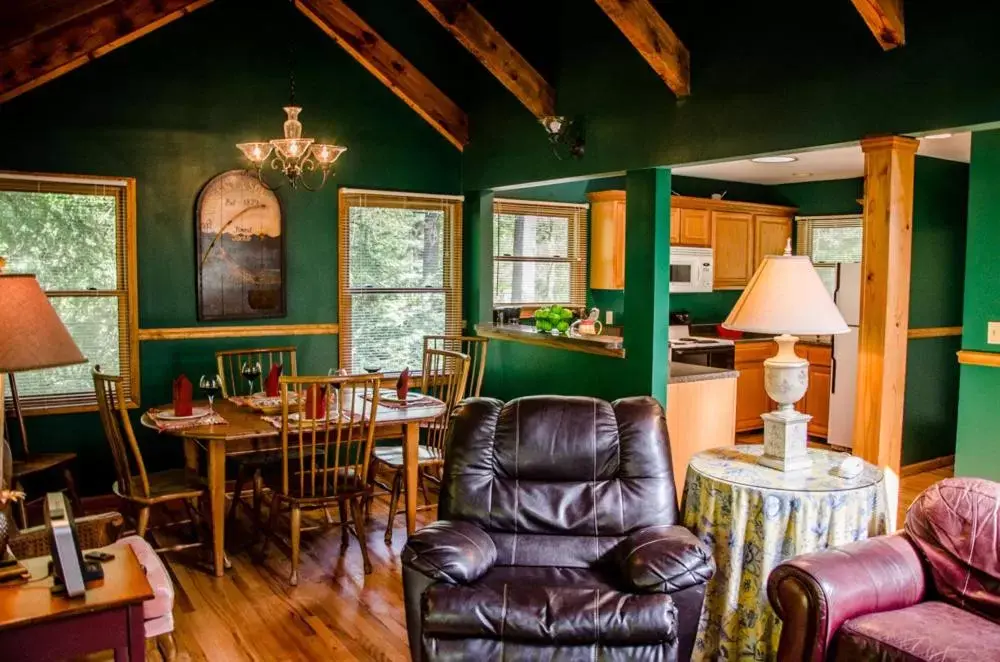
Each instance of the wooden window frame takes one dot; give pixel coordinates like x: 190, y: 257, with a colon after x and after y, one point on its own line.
x: 126, y: 291
x: 577, y: 248
x: 452, y: 257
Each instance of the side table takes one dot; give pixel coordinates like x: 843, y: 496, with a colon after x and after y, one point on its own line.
x: 38, y: 626
x: 753, y: 518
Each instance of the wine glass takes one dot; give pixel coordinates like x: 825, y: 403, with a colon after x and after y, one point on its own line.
x: 251, y: 372
x: 211, y: 386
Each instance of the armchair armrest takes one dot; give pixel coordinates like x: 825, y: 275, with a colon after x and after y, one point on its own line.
x: 814, y: 594
x: 454, y: 552
x: 664, y: 559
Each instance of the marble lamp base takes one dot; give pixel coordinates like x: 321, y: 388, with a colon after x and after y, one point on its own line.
x: 785, y: 437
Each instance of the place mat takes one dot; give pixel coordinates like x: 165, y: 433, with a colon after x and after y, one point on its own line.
x: 263, y: 403
x: 343, y: 416
x: 166, y: 426
x: 422, y: 401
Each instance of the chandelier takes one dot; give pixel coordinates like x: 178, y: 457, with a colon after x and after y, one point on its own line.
x: 294, y: 156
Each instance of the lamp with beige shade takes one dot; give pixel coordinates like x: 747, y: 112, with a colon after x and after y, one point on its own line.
x: 31, y: 337
x: 786, y: 297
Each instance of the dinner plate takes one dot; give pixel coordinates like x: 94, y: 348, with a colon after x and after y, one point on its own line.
x: 390, y: 396
x: 330, y: 416
x: 196, y: 412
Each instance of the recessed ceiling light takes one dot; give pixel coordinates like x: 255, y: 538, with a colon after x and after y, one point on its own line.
x: 938, y: 136
x: 774, y: 159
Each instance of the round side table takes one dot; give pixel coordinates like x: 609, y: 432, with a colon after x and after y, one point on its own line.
x: 753, y: 518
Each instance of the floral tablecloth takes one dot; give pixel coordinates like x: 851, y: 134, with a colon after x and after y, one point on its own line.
x: 753, y: 518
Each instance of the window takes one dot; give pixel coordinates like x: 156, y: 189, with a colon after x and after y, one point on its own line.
x: 828, y: 240
x: 539, y: 253
x: 400, y: 276
x: 77, y: 235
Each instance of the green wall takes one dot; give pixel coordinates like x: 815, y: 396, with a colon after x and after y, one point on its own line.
x: 751, y: 94
x: 930, y: 415
x: 168, y: 110
x: 979, y: 393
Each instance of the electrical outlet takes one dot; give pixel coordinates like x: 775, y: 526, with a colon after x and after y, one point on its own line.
x: 609, y: 316
x: 993, y: 333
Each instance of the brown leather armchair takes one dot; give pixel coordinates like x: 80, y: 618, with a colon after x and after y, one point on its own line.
x: 930, y: 593
x: 557, y: 538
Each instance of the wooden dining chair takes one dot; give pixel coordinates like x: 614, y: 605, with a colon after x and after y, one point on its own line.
x: 229, y: 364
x: 325, y: 463
x: 475, y: 347
x: 444, y: 376
x: 140, y: 489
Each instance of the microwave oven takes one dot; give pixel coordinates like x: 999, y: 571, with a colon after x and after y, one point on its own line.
x: 691, y: 269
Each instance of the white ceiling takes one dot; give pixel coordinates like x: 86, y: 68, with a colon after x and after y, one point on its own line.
x: 821, y: 164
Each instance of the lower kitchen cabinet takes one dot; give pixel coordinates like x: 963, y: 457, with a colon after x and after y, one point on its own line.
x: 752, y: 399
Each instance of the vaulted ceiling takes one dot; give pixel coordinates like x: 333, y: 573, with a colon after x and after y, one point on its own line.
x: 41, y: 40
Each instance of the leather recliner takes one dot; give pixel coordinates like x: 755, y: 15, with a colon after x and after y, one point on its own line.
x: 557, y: 538
x: 929, y: 593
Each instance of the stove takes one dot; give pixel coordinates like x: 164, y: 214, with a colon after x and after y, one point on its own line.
x: 698, y: 350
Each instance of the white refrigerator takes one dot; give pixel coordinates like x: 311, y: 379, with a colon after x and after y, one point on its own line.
x: 840, y: 431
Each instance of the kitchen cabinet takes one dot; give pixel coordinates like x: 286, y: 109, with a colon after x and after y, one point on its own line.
x: 771, y: 234
x: 752, y: 399
x: 696, y: 227
x: 732, y: 243
x: 607, y: 240
x: 675, y: 226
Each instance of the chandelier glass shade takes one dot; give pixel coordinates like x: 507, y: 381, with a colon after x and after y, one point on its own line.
x: 293, y: 156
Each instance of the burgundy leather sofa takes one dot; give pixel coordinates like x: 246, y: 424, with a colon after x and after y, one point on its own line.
x: 929, y: 593
x: 557, y: 538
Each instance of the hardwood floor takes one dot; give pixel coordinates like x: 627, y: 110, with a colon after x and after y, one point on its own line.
x: 335, y: 613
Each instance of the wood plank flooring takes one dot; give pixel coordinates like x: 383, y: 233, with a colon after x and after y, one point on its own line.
x: 336, y: 612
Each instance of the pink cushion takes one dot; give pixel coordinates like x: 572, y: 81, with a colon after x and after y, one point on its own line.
x: 162, y: 604
x: 954, y: 523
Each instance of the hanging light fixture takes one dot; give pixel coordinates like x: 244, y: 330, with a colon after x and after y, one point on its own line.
x: 294, y: 156
x: 565, y: 135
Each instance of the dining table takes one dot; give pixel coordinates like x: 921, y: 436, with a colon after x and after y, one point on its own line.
x: 247, y: 432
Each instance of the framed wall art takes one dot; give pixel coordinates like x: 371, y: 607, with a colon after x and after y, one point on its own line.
x: 240, y: 249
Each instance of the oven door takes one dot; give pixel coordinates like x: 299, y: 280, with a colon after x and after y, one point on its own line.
x: 712, y: 357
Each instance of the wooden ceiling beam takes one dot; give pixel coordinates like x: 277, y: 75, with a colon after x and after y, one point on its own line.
x: 495, y: 53
x: 652, y: 37
x: 84, y: 37
x: 885, y: 20
x: 388, y: 65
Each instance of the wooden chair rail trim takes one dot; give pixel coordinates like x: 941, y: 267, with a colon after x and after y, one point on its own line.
x: 247, y: 331
x: 972, y: 357
x: 934, y: 332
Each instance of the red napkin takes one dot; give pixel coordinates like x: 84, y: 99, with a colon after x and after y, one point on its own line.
x: 316, y: 403
x: 182, y: 396
x: 403, y: 384
x: 271, y: 383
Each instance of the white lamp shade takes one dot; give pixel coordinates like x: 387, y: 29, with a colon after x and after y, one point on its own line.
x: 786, y: 295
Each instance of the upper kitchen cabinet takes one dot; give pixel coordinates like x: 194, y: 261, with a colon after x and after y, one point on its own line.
x: 675, y: 225
x: 696, y: 228
x: 771, y: 234
x: 733, y: 243
x: 607, y: 240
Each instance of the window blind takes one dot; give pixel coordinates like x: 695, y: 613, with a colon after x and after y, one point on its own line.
x: 829, y: 240
x: 400, y: 266
x: 539, y: 253
x: 76, y: 234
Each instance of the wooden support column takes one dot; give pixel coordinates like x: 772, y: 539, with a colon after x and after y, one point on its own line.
x: 477, y: 260
x: 885, y: 305
x: 647, y: 282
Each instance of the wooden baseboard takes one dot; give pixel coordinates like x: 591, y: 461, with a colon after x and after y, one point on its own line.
x: 927, y: 465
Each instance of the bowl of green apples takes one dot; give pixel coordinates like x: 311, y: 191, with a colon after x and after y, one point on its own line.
x: 553, y: 319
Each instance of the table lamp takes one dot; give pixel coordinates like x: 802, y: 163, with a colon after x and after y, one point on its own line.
x: 31, y: 337
x: 786, y: 297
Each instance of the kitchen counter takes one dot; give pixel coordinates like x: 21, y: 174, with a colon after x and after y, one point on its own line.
x: 683, y: 373
x: 710, y: 331
x: 603, y: 345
